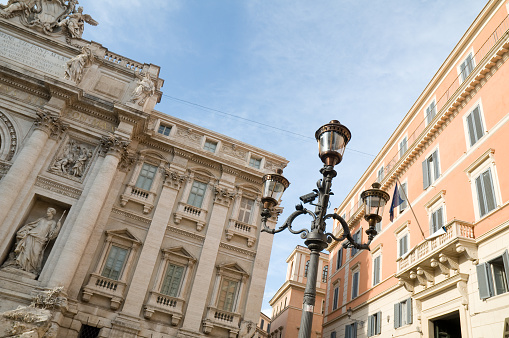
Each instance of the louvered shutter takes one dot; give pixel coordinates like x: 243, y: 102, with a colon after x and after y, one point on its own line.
x: 370, y: 326
x: 378, y: 323
x: 488, y: 190
x: 347, y: 331
x: 436, y: 165
x: 397, y: 315
x: 483, y: 281
x: 471, y: 129
x: 440, y: 219
x: 479, y: 130
x: 505, y: 257
x: 409, y: 311
x: 354, y: 330
x: 480, y: 196
x: 425, y: 174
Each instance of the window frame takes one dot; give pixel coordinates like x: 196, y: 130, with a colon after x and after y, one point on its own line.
x: 325, y: 273
x: 432, y: 107
x: 253, y: 159
x: 234, y: 273
x: 376, y: 254
x: 210, y: 141
x: 433, y: 207
x: 461, y: 77
x: 401, y: 232
x: 484, y: 130
x: 335, y: 296
x: 145, y: 178
x: 355, y: 286
x: 404, y: 141
x: 404, y: 196
x: 165, y: 127
x: 374, y: 324
x: 432, y: 172
x: 191, y: 193
x: 485, y: 276
x: 403, y: 314
x: 339, y: 258
x: 357, y: 236
x: 244, y: 210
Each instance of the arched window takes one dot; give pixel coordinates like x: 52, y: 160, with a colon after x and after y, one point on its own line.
x: 306, y: 269
x: 325, y: 273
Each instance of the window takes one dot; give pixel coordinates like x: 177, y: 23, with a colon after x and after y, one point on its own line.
x: 466, y: 67
x: 246, y: 209
x: 88, y: 331
x: 403, y: 245
x: 306, y: 269
x: 403, y: 313
x: 333, y: 334
x: 255, y: 162
x: 380, y: 174
x: 485, y: 193
x: 146, y: 176
x: 324, y: 273
x: 210, y: 146
x: 493, y: 276
x: 430, y: 169
x: 351, y: 330
x: 197, y: 193
x: 115, y: 262
x: 339, y: 258
x: 436, y: 220
x: 403, y: 192
x: 172, y: 280
x: 357, y: 238
x: 355, y: 284
x: 431, y: 111
x: 375, y: 324
x: 474, y: 125
x: 227, y: 295
x: 262, y: 323
x: 403, y: 146
x: 376, y: 270
x: 335, y: 298
x: 164, y: 130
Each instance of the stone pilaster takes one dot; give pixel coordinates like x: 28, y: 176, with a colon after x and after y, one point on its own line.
x: 149, y: 255
x: 68, y: 261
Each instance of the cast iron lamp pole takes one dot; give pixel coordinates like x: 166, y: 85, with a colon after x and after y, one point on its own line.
x: 332, y: 140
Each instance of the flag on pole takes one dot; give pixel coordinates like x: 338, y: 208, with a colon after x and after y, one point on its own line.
x: 396, y: 200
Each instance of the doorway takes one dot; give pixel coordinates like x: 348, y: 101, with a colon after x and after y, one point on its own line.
x: 447, y: 326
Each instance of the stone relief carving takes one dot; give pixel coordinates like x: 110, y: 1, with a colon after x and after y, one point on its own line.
x: 233, y: 151
x: 144, y: 89
x: 75, y: 23
x: 31, y: 241
x: 247, y: 329
x: 76, y: 65
x: 223, y: 196
x: 188, y: 133
x: 73, y: 160
x: 12, y: 133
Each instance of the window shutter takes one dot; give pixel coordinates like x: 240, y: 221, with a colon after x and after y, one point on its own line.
x: 433, y: 222
x: 436, y: 165
x: 333, y: 334
x: 479, y: 132
x: 339, y: 258
x: 354, y: 330
x: 440, y: 219
x: 505, y: 257
x: 471, y: 130
x: 425, y: 174
x: 370, y: 326
x: 488, y: 190
x: 483, y: 282
x: 378, y: 323
x: 409, y: 311
x: 397, y: 315
x: 347, y: 331
x: 403, y: 195
x: 480, y: 196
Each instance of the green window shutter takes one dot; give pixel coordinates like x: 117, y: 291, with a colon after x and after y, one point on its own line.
x: 378, y: 322
x: 425, y: 174
x: 409, y: 311
x: 397, y: 315
x: 347, y: 331
x: 436, y: 165
x: 483, y: 281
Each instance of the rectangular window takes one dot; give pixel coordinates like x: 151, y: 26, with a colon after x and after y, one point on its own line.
x: 431, y: 111
x: 333, y: 334
x: 339, y: 258
x: 403, y: 313
x: 262, y: 323
x: 380, y: 174
x: 475, y: 125
x: 485, y: 193
x: 356, y: 237
x: 325, y: 273
x: 335, y: 298
x: 146, y: 176
x: 172, y: 280
x: 164, y: 130
x: 403, y: 245
x: 430, y: 169
x: 375, y: 324
x: 114, y: 263
x: 466, y: 67
x: 210, y: 146
x: 351, y: 330
x: 436, y: 220
x: 355, y: 284
x: 376, y: 270
x: 493, y: 276
x: 227, y: 295
x: 403, y: 192
x: 197, y: 193
x: 255, y: 162
x: 246, y: 209
x: 403, y: 146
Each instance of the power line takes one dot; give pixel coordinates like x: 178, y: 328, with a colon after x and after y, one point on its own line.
x: 196, y: 105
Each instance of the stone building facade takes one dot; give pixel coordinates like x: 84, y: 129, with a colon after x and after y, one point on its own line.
x: 117, y: 220
x: 440, y: 267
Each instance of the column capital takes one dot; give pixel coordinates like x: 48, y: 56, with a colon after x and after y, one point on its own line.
x: 114, y: 145
x: 173, y: 178
x: 223, y: 195
x: 50, y: 124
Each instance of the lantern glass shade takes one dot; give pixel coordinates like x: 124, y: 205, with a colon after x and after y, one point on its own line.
x: 375, y: 200
x: 274, y: 185
x: 332, y: 140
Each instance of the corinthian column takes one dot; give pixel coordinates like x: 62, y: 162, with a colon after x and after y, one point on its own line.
x: 113, y: 148
x: 17, y: 176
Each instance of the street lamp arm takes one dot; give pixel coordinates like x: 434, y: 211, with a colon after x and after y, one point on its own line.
x: 288, y: 223
x: 346, y: 234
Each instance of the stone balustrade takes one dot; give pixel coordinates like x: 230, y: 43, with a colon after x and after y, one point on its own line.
x: 158, y: 302
x: 124, y: 62
x: 238, y: 228
x: 135, y: 194
x: 192, y: 213
x: 105, y: 287
x: 225, y: 319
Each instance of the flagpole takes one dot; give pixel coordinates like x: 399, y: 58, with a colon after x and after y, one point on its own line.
x: 410, y: 205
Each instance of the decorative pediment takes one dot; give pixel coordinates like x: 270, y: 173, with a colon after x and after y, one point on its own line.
x: 123, y: 234
x: 232, y: 269
x: 178, y: 252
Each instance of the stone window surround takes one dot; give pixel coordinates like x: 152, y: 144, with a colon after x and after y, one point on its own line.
x: 435, y: 203
x: 477, y: 104
x: 431, y: 169
x: 255, y: 156
x: 480, y: 165
x: 113, y: 289
x: 211, y: 139
x: 400, y: 232
x: 167, y: 124
x: 247, y: 230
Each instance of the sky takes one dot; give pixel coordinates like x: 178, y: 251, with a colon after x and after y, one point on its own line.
x: 294, y: 65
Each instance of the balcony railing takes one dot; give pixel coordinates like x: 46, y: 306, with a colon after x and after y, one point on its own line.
x: 141, y: 196
x: 191, y: 213
x: 105, y: 287
x: 158, y: 302
x: 241, y: 229
x: 225, y: 319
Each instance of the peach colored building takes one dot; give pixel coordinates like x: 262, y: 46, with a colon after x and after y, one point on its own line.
x: 449, y: 158
x: 287, y: 302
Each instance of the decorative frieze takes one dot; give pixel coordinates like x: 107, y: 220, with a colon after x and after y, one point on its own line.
x: 237, y: 249
x: 132, y: 216
x: 57, y: 187
x: 186, y: 233
x: 188, y: 135
x: 234, y: 151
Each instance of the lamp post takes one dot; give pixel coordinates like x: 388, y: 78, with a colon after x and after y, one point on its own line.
x: 332, y: 140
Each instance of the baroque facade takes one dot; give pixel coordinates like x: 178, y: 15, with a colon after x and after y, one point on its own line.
x: 440, y: 267
x: 117, y: 220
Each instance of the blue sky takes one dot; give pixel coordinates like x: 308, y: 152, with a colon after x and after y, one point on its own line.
x: 292, y: 64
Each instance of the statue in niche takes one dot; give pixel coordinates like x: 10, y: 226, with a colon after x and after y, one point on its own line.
x: 144, y: 89
x: 73, y: 160
x: 33, y: 238
x: 75, y: 23
x: 77, y: 65
x: 247, y: 329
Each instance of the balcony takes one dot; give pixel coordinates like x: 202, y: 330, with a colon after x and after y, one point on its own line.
x: 191, y: 213
x: 143, y: 197
x: 105, y: 287
x: 158, y: 302
x: 238, y: 228
x: 224, y: 319
x: 437, y: 259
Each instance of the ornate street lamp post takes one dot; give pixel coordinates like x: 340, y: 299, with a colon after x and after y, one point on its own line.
x: 332, y: 140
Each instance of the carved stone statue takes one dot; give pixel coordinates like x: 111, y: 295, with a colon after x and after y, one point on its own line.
x: 144, y: 89
x: 75, y: 23
x: 73, y: 161
x: 77, y: 65
x: 17, y: 5
x: 247, y: 329
x: 32, y: 239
